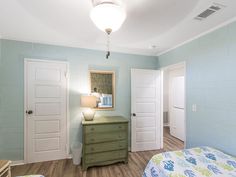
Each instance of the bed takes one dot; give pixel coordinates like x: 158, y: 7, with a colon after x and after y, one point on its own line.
x: 195, y: 162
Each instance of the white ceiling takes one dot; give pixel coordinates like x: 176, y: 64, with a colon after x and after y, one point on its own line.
x: 163, y: 23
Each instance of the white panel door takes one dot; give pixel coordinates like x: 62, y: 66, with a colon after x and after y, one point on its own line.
x: 177, y: 103
x: 145, y: 108
x: 46, y: 110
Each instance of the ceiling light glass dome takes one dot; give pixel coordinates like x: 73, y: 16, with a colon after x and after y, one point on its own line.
x: 108, y: 16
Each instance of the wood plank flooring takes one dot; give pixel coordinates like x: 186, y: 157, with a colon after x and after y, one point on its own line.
x: 65, y: 168
x: 171, y: 143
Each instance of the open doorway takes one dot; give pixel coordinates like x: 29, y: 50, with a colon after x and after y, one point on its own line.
x: 174, y: 107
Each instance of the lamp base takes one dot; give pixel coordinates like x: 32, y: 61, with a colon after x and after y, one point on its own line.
x: 89, y: 115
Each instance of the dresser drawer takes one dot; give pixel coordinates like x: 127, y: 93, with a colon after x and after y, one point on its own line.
x: 109, y: 146
x: 104, y: 128
x: 104, y: 137
x: 105, y: 156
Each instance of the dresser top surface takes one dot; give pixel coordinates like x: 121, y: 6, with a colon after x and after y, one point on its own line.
x: 106, y: 120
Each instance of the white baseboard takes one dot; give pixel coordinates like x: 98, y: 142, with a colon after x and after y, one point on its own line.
x: 69, y: 156
x: 17, y: 162
x: 21, y: 162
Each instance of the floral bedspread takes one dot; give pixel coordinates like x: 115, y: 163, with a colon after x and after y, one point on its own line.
x: 195, y: 162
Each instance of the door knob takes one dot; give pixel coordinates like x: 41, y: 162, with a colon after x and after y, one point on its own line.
x: 134, y: 114
x: 29, y: 112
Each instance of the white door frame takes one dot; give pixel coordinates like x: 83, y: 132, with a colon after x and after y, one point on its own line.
x: 177, y: 65
x: 26, y: 60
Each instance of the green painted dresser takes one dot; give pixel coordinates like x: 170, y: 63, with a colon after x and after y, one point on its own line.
x: 105, y: 141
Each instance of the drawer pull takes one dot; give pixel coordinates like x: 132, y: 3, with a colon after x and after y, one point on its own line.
x: 92, y: 129
x: 120, y: 127
x: 92, y: 139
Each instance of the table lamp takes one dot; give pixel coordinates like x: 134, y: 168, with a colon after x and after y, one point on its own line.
x: 89, y: 102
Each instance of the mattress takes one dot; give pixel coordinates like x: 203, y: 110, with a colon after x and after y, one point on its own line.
x: 195, y: 162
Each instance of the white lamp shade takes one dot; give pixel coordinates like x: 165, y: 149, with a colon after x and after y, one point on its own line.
x: 88, y: 101
x: 108, y: 16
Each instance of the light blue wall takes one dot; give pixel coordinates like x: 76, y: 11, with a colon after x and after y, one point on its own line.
x: 80, y: 60
x: 211, y: 84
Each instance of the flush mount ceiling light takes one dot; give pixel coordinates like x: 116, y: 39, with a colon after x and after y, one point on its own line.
x: 108, y: 17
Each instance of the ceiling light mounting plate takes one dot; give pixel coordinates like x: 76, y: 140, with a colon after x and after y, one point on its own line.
x: 97, y: 2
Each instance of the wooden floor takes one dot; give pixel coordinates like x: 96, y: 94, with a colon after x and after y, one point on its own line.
x: 171, y: 143
x: 65, y: 168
